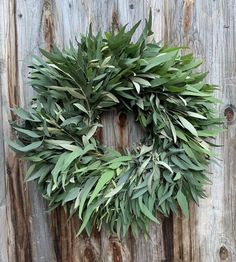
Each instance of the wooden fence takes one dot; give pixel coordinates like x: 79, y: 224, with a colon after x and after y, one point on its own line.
x: 27, y: 231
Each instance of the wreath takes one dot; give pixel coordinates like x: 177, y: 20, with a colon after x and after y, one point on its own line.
x: 102, y: 186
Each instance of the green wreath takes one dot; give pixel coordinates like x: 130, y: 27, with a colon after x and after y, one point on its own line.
x: 122, y: 190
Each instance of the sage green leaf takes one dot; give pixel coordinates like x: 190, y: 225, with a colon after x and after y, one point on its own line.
x: 85, y: 192
x: 181, y: 135
x: 120, y: 159
x: 165, y: 165
x: 24, y: 149
x: 158, y: 82
x: 196, y: 115
x: 91, y: 132
x: 59, y: 166
x: 106, y: 177
x: 81, y: 107
x: 186, y: 124
x: 140, y: 81
x: 71, y: 195
x: 114, y: 191
x: 173, y: 131
x: 146, y: 211
x: 137, y: 86
x: 24, y: 114
x: 112, y: 97
x: 44, y: 170
x: 86, y: 218
x: 183, y: 203
x: 161, y: 58
x: 27, y: 132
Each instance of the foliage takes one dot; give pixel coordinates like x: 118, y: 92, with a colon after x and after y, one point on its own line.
x: 57, y: 134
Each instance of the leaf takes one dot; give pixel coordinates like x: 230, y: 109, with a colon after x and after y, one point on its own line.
x: 139, y: 192
x: 86, y: 217
x: 145, y: 149
x: 72, y: 91
x: 146, y: 211
x: 161, y: 58
x: 183, y: 203
x: 78, y: 153
x: 120, y: 159
x: 25, y: 149
x: 140, y: 81
x: 158, y: 82
x: 27, y: 132
x: 114, y: 191
x: 186, y: 124
x: 177, y: 176
x: 173, y: 131
x: 104, y: 179
x: 44, y: 170
x: 112, y: 97
x: 91, y: 132
x: 99, y: 77
x: 24, y: 114
x: 166, y: 166
x: 181, y: 135
x: 81, y: 107
x: 71, y: 195
x: 196, y: 115
x: 84, y: 193
x: 137, y: 86
x: 59, y: 166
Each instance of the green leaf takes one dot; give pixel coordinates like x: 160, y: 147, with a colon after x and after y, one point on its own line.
x: 146, y: 211
x: 161, y: 58
x: 181, y: 135
x: 196, y: 115
x: 25, y: 149
x: 166, y: 166
x: 120, y: 159
x: 43, y: 171
x: 85, y: 192
x: 112, y: 97
x: 114, y: 191
x: 186, y: 124
x: 24, y: 114
x: 104, y: 179
x: 59, y: 166
x: 140, y: 81
x: 86, y: 218
x: 177, y: 176
x: 183, y: 203
x: 27, y: 132
x: 91, y: 132
x: 158, y: 82
x: 173, y: 131
x: 81, y: 107
x: 71, y: 195
x: 137, y: 86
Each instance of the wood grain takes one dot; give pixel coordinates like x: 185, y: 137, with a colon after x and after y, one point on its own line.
x: 28, y: 232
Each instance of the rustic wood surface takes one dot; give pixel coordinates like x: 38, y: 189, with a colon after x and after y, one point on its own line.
x: 27, y: 231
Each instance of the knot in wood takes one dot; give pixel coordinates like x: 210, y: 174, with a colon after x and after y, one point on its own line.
x: 224, y: 253
x: 122, y: 118
x: 229, y: 113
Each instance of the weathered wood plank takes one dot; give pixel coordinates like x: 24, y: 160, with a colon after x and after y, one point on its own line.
x: 3, y: 83
x: 208, y: 28
x: 17, y: 225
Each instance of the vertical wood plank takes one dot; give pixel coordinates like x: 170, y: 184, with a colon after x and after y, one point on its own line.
x: 3, y: 83
x: 17, y: 237
x: 208, y: 28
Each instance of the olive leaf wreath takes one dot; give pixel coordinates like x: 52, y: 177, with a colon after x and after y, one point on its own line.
x: 102, y: 186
